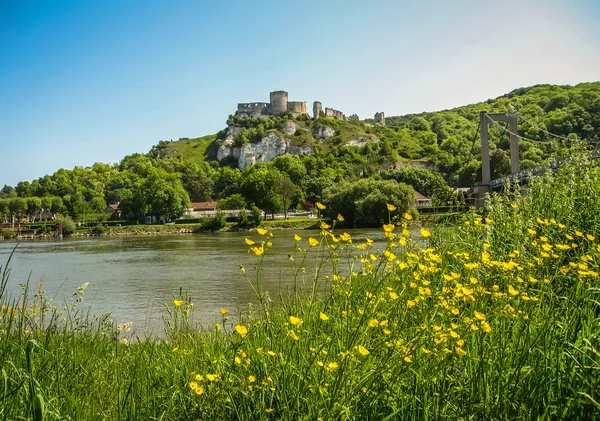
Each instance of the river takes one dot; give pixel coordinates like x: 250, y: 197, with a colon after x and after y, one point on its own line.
x: 132, y: 277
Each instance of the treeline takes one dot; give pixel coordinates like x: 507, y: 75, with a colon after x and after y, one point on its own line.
x: 143, y: 185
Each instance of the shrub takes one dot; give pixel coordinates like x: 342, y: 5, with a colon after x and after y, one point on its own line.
x: 7, y: 233
x: 98, y: 230
x: 212, y: 224
x: 68, y: 226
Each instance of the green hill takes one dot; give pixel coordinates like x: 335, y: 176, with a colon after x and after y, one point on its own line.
x: 444, y: 141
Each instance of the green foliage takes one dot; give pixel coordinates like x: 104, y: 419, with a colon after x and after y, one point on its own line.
x: 213, y: 224
x: 363, y: 203
x: 235, y: 201
x: 429, y: 184
x: 98, y: 230
x: 68, y: 226
x: 7, y: 233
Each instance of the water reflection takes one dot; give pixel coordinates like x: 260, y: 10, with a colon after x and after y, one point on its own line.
x: 132, y: 277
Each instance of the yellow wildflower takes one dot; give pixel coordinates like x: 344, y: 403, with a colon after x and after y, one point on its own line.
x: 177, y: 303
x: 479, y: 316
x: 251, y: 379
x: 293, y: 335
x: 249, y: 241
x: 460, y: 351
x: 394, y: 296
x: 340, y: 218
x: 388, y: 227
x: 313, y: 242
x: 391, y: 207
x: 485, y: 326
x: 373, y: 323
x: 512, y: 291
x: 295, y: 320
x: 425, y: 233
x: 241, y: 330
x: 258, y: 250
x: 323, y: 316
x: 408, y: 216
x: 321, y: 206
x: 262, y: 231
x: 223, y: 311
x: 362, y: 350
x: 345, y: 237
x: 297, y: 237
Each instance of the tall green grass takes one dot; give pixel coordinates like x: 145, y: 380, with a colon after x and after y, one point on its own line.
x: 493, y: 317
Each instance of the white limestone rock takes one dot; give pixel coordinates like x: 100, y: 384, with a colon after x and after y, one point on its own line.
x: 224, y: 150
x: 266, y: 150
x: 324, y: 132
x: 289, y: 127
x: 361, y: 141
x: 300, y: 150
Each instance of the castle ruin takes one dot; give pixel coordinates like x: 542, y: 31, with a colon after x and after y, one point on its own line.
x: 380, y: 118
x: 279, y: 104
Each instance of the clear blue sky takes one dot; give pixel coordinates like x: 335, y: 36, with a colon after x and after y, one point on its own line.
x: 87, y: 81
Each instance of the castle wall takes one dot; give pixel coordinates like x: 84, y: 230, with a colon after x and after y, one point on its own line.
x: 279, y: 102
x: 253, y: 109
x: 331, y: 113
x: 380, y: 118
x: 297, y: 107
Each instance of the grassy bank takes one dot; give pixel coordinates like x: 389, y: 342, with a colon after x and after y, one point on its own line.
x: 496, y: 317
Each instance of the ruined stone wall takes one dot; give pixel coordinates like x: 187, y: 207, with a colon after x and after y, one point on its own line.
x: 252, y: 109
x: 380, y: 118
x: 279, y: 102
x: 297, y: 107
x: 353, y: 117
x: 331, y: 113
x: 317, y: 109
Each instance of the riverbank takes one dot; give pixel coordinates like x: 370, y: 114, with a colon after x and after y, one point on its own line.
x: 158, y: 229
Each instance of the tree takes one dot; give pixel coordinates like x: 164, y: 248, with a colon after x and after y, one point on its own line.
x: 57, y: 205
x: 3, y: 209
x: 34, y: 206
x: 164, y: 194
x: 7, y: 192
x: 18, y: 208
x: 235, y: 201
x: 227, y: 181
x: 259, y: 186
x: 290, y: 165
x: 286, y: 190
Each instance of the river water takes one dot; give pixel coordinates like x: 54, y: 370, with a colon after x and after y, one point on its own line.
x: 132, y: 277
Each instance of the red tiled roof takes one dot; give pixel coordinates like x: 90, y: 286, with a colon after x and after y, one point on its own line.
x: 203, y: 205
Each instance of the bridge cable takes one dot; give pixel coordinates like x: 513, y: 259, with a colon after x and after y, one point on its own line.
x: 518, y: 135
x: 474, y: 140
x: 542, y: 130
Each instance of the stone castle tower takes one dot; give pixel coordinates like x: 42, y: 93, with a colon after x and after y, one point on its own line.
x: 279, y: 102
x: 317, y: 109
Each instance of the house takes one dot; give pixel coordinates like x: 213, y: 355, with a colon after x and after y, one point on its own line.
x: 421, y: 201
x: 202, y: 210
x: 112, y: 211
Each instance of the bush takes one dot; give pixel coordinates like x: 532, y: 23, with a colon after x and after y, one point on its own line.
x: 68, y: 226
x: 212, y: 224
x: 7, y: 233
x: 98, y: 230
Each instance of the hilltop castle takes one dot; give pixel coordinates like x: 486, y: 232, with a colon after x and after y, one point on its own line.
x: 279, y: 103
